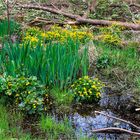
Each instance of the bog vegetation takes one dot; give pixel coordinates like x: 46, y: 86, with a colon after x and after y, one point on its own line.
x: 45, y: 72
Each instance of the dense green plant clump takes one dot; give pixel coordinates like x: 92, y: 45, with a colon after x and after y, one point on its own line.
x: 87, y: 89
x: 27, y: 93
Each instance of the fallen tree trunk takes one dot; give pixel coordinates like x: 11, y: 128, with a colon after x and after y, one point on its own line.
x: 82, y: 20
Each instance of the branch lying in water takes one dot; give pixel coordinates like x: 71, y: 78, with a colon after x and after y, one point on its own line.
x: 114, y: 130
x: 135, y: 126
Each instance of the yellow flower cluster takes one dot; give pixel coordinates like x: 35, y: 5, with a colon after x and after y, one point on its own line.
x: 110, y: 39
x: 111, y: 34
x: 33, y: 36
x: 87, y: 89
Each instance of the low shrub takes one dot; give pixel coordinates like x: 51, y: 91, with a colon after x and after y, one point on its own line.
x: 87, y: 89
x: 27, y: 93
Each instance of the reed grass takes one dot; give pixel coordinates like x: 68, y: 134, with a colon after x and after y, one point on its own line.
x: 55, y: 64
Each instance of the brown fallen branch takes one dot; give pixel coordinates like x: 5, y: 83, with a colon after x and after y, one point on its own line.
x: 107, y: 23
x: 135, y: 126
x: 114, y: 130
x: 82, y: 20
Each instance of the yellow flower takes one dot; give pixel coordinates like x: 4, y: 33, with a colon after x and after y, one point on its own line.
x: 86, y: 77
x: 43, y: 34
x: 93, y: 86
x: 9, y: 84
x: 98, y: 94
x: 72, y: 85
x: 84, y: 89
x: 34, y: 106
x: 27, y: 83
x: 85, y: 93
x: 34, y: 39
x: 17, y: 95
x: 90, y: 92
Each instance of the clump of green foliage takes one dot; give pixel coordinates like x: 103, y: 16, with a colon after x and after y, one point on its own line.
x: 87, y: 89
x: 55, y: 129
x: 27, y: 93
